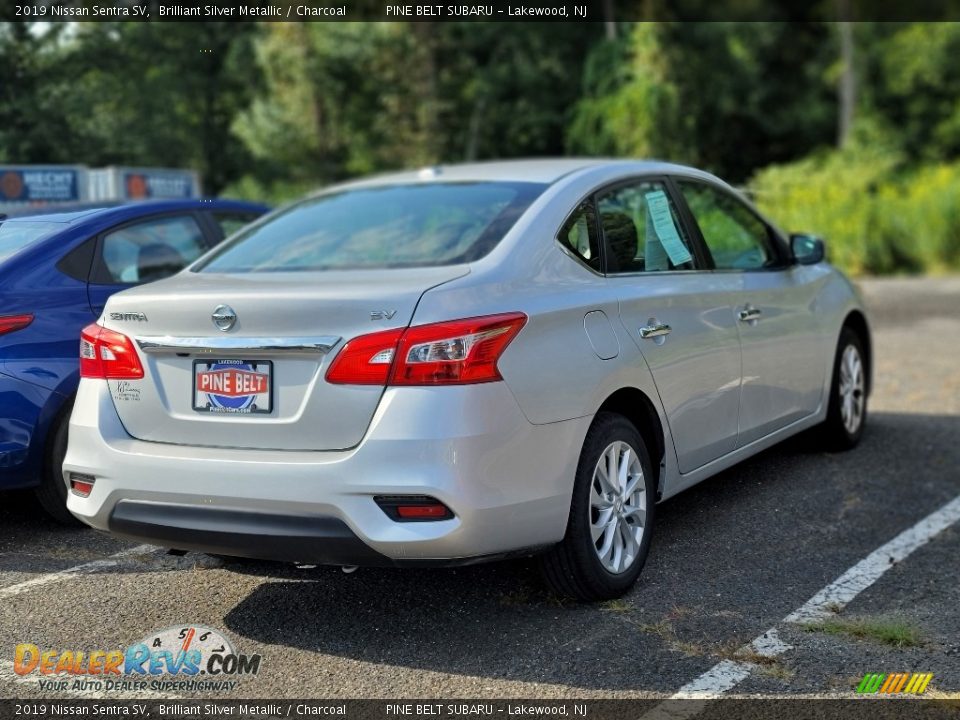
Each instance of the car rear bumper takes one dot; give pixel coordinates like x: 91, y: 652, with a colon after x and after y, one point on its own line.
x: 243, y: 533
x: 508, y: 483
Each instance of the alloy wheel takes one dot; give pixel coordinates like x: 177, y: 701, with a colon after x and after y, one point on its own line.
x: 851, y: 389
x: 618, y: 507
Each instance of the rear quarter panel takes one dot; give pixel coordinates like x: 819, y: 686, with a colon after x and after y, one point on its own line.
x: 551, y: 367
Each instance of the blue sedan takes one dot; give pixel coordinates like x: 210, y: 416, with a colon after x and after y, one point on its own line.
x: 57, y: 269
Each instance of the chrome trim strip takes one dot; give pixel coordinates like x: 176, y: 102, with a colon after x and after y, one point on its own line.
x: 245, y: 346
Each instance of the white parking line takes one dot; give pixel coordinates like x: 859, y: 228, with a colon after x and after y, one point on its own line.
x: 8, y: 674
x: 61, y: 575
x: 727, y: 674
x: 845, y: 588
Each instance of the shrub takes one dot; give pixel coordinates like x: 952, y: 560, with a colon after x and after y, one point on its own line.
x: 876, y: 217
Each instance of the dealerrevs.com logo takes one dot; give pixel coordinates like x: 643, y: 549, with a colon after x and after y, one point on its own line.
x: 894, y: 683
x: 186, y: 658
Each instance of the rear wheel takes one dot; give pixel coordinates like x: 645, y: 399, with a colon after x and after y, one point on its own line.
x: 611, y: 515
x: 847, y: 411
x: 52, y: 491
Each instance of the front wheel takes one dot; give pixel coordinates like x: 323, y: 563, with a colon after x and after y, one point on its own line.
x: 611, y: 515
x: 52, y: 491
x: 847, y: 410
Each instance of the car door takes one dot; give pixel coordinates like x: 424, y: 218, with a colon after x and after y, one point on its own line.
x: 775, y: 310
x: 679, y: 318
x: 144, y: 250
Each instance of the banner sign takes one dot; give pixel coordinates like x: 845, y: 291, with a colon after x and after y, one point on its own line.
x: 39, y: 184
x: 139, y: 184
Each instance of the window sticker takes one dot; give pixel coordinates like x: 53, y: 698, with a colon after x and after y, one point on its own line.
x: 659, y: 211
x: 655, y: 257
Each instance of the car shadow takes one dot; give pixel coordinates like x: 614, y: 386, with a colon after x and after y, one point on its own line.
x: 731, y: 557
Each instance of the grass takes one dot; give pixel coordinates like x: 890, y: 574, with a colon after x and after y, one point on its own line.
x: 690, y: 649
x: 616, y: 606
x: 778, y: 672
x: 662, y: 629
x: 886, y: 631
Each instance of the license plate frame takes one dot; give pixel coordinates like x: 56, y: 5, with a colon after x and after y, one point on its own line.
x: 211, y: 403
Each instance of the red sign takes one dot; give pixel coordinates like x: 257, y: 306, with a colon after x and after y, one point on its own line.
x: 229, y: 382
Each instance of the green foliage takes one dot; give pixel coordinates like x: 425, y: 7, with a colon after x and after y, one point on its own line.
x: 127, y: 93
x: 876, y: 216
x: 891, y: 631
x: 730, y: 97
x: 271, y: 110
x: 915, y: 82
x: 630, y: 104
x: 274, y: 192
x: 31, y: 125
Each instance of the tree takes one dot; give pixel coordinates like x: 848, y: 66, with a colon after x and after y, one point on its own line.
x: 345, y: 99
x: 915, y: 87
x: 32, y: 128
x: 731, y: 97
x: 127, y: 93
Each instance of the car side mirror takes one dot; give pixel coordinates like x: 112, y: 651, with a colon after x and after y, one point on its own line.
x: 807, y: 249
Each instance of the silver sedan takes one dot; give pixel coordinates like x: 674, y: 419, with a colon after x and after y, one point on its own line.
x: 464, y: 363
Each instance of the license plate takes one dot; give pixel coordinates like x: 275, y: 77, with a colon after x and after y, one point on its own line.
x: 233, y: 387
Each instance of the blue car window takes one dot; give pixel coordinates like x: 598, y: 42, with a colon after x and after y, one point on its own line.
x: 152, y: 249
x: 16, y: 235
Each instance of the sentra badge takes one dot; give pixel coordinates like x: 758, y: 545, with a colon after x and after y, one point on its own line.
x: 138, y: 316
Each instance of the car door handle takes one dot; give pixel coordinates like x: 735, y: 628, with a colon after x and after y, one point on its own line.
x: 655, y: 330
x: 749, y: 314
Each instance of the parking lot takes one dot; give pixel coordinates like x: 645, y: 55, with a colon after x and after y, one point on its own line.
x: 731, y: 560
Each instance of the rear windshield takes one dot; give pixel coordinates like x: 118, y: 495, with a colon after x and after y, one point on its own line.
x: 381, y: 227
x: 18, y: 234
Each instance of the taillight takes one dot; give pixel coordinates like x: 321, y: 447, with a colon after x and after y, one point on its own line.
x: 457, y: 352
x: 107, y: 354
x: 365, y: 360
x: 10, y: 323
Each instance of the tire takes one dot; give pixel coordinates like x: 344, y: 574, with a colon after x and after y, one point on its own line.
x: 840, y: 431
x: 574, y: 568
x: 52, y: 491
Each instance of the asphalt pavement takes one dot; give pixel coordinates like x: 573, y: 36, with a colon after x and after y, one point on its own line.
x: 732, y: 558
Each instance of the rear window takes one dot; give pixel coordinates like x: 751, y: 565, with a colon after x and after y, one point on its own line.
x: 16, y: 235
x: 381, y: 227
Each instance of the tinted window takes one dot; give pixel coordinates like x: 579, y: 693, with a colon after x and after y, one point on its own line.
x: 642, y: 230
x: 579, y: 235
x: 150, y: 250
x: 736, y: 237
x: 229, y: 223
x: 18, y: 234
x: 381, y: 227
x: 76, y: 263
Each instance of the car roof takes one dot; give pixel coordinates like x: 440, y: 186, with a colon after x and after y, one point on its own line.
x: 117, y: 209
x: 537, y: 170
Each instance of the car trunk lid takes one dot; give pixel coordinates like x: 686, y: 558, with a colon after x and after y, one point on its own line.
x: 260, y: 383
